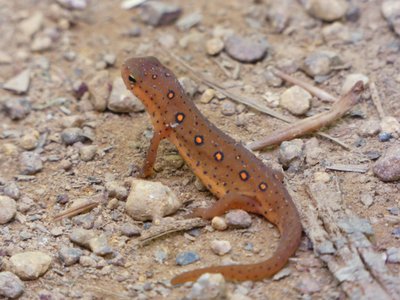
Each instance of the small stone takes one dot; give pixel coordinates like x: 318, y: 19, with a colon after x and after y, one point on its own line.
x: 79, y: 89
x: 219, y: 223
x: 369, y: 128
x: 160, y: 256
x: 313, y: 151
x: 73, y: 4
x: 17, y: 109
x: 29, y: 141
x: 10, y: 285
x: 30, y: 265
x: 318, y: 63
x: 387, y: 167
x: 355, y: 224
x: 72, y: 135
x: 130, y: 230
x: 100, y: 88
x: 221, y: 247
x: 391, y: 11
x: 134, y: 32
x: 66, y: 164
x: 32, y: 24
x: 238, y: 219
x: 87, y: 261
x: 167, y: 40
x: 326, y: 10
x: 56, y: 231
x: 189, y: 21
x: 366, y: 199
x: 41, y: 43
x: 214, y: 46
x: 11, y: 190
x: 246, y: 50
x: 151, y: 200
x: 390, y: 125
x: 81, y: 237
x: 308, y: 285
x: 271, y: 78
x: 8, y: 209
x: 384, y: 137
x: 19, y: 84
x: 186, y: 258
x: 322, y: 177
x: 351, y: 80
x: 393, y: 255
x: 110, y: 59
x: 189, y: 86
x: 87, y: 153
x: 113, y: 203
x: 228, y: 108
x: 296, y: 100
x: 337, y: 32
x: 99, y: 245
x: 123, y: 101
x: 70, y: 256
x: 30, y: 163
x: 207, y: 96
x: 282, y: 274
x: 116, y: 190
x: 25, y: 204
x: 208, y: 287
x: 159, y: 13
x: 291, y: 153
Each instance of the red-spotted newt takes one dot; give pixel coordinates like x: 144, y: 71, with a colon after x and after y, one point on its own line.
x: 231, y: 172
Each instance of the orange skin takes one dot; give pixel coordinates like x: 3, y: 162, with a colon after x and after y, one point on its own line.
x: 231, y: 172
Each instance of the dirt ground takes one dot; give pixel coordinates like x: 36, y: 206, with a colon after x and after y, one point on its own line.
x: 81, y: 38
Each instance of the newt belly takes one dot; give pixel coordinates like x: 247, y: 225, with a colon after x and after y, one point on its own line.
x: 231, y: 172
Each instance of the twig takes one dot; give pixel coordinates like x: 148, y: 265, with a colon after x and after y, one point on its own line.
x: 73, y: 211
x: 305, y: 126
x: 317, y: 92
x: 348, y: 168
x: 376, y: 99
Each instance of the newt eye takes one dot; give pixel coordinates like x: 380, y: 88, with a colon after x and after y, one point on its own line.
x: 131, y: 79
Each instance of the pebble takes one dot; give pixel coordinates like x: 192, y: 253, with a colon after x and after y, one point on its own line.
x: 72, y: 135
x: 296, y: 100
x: 116, y: 190
x: 11, y: 286
x: 370, y: 128
x: 79, y: 89
x: 19, y: 84
x: 11, y: 190
x: 228, y: 108
x: 326, y: 10
x: 8, y: 209
x: 207, y: 96
x: 387, y: 167
x: 337, y: 32
x: 30, y: 163
x: 25, y: 204
x: 246, y: 50
x: 110, y: 59
x: 73, y: 4
x: 160, y: 256
x: 219, y: 223
x: 189, y: 21
x: 271, y: 79
x: 123, y: 101
x: 221, y: 247
x: 167, y: 40
x: 130, y: 230
x: 390, y: 125
x: 391, y: 11
x: 87, y: 261
x: 17, y: 109
x: 29, y: 141
x: 214, y: 46
x: 291, y: 153
x: 384, y: 137
x: 100, y: 89
x: 366, y: 199
x: 355, y: 224
x: 99, y: 245
x: 189, y: 86
x: 308, y: 285
x: 322, y: 177
x: 186, y: 258
x: 238, y: 219
x: 81, y: 236
x: 157, y: 13
x: 351, y: 80
x: 30, y: 265
x: 393, y: 255
x: 41, y: 43
x: 282, y: 274
x: 32, y: 24
x: 87, y: 152
x: 128, y: 4
x: 70, y: 256
x: 149, y: 200
x: 208, y: 287
x: 313, y: 151
x: 318, y: 63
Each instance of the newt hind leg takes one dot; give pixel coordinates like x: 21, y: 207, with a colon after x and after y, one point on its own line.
x: 228, y: 202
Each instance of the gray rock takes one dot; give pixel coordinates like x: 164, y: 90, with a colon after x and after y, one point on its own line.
x: 282, y: 274
x: 271, y: 78
x: 391, y: 126
x: 221, y: 247
x: 25, y: 204
x: 69, y: 256
x: 393, y: 255
x: 326, y: 10
x: 160, y: 256
x: 189, y: 21
x: 208, y: 287
x: 366, y: 199
x: 238, y: 219
x: 100, y: 88
x: 29, y: 140
x: 30, y: 163
x: 19, y: 84
x: 355, y: 224
x: 73, y: 4
x: 391, y: 12
x: 157, y: 13
x: 17, y: 109
x: 123, y: 101
x: 110, y: 59
x: 246, y: 50
x: 11, y: 190
x: 318, y: 63
x: 186, y: 258
x: 369, y: 128
x: 87, y: 261
x: 291, y: 154
x: 99, y: 245
x: 87, y: 152
x: 308, y: 285
x: 387, y: 167
x: 81, y: 237
x: 8, y: 209
x: 72, y: 135
x: 130, y: 230
x: 10, y: 285
x: 189, y: 86
x: 228, y: 108
x: 296, y: 100
x: 30, y: 265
